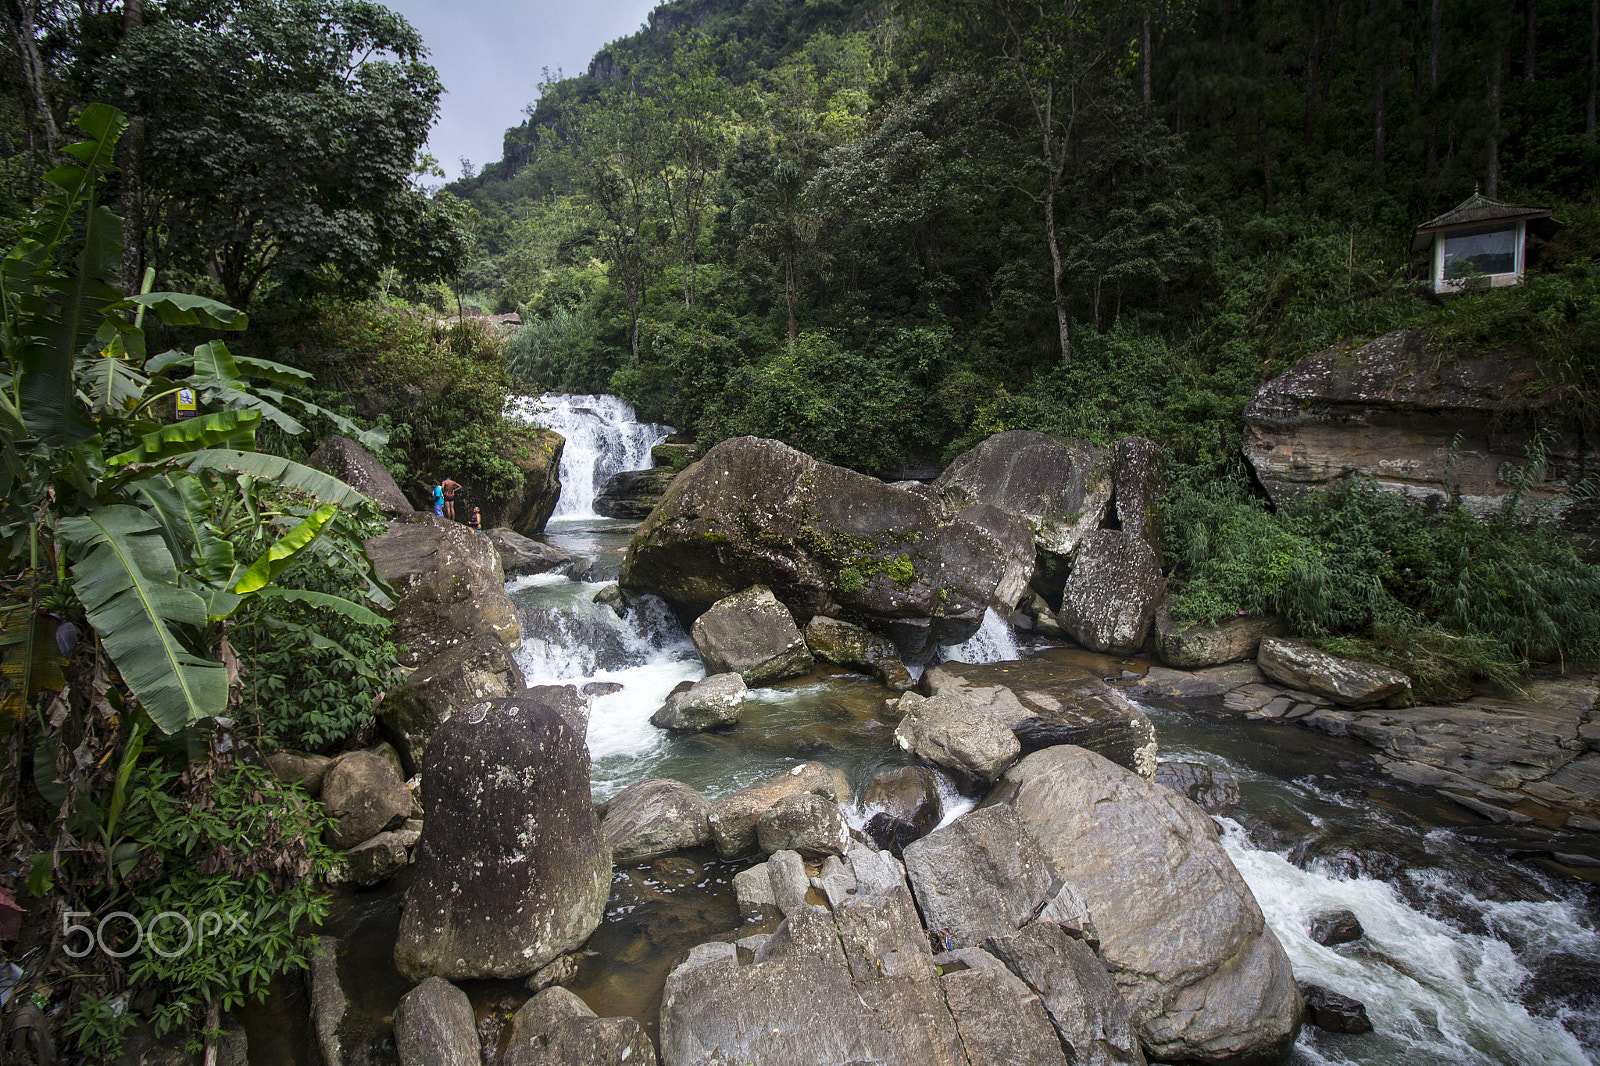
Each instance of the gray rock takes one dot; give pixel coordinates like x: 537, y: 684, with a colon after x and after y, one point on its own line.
x: 1216, y: 791
x: 541, y: 1013
x: 949, y: 680
x: 843, y: 644
x: 360, y: 469
x: 633, y: 494
x: 370, y: 862
x: 753, y: 635
x: 1111, y: 595
x: 364, y: 796
x: 556, y: 1028
x: 673, y: 454
x: 457, y: 678
x: 653, y: 818
x: 1333, y: 1012
x: 536, y: 453
x: 984, y: 538
x: 1336, y: 927
x: 709, y: 703
x: 565, y: 700
x: 786, y: 874
x: 1193, y: 647
x: 949, y: 732
x: 1138, y: 467
x: 511, y: 871
x: 524, y: 555
x: 611, y: 596
x: 1060, y: 488
x: 980, y: 876
x: 561, y: 972
x: 300, y: 768
x: 806, y: 823
x: 733, y: 818
x: 999, y: 1018
x: 1086, y: 1008
x: 752, y: 888
x: 1347, y: 682
x: 328, y: 1001
x: 434, y: 1026
x: 1180, y: 932
x: 450, y: 585
x: 908, y: 793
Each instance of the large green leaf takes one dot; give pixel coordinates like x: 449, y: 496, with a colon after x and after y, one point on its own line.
x: 179, y: 503
x: 112, y: 381
x: 355, y: 612
x: 284, y: 472
x: 276, y: 559
x: 128, y: 584
x: 267, y: 370
x: 190, y: 435
x: 182, y: 309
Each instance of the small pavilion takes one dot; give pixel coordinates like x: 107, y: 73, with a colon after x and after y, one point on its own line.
x: 1481, y: 243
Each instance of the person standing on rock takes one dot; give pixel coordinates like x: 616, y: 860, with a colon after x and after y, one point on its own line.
x: 450, y: 488
x: 437, y: 492
x: 477, y: 520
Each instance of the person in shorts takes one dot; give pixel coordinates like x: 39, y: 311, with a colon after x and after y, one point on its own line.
x: 436, y: 490
x: 450, y: 488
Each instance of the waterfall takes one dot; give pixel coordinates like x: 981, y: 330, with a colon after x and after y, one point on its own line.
x: 602, y: 440
x: 994, y: 642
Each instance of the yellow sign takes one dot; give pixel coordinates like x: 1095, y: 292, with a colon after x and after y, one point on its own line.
x: 186, y: 404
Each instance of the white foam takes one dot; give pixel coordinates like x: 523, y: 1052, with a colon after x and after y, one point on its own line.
x: 994, y: 642
x: 602, y: 440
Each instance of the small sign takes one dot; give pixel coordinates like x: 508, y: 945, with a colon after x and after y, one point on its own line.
x: 186, y: 404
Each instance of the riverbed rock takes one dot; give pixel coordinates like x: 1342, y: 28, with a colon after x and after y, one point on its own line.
x: 806, y: 823
x: 1067, y: 704
x: 1000, y: 1019
x: 1180, y: 931
x: 300, y: 768
x: 733, y: 818
x: 1138, y: 467
x: 1334, y: 1013
x: 653, y: 818
x: 457, y: 678
x: 370, y: 862
x: 536, y: 452
x: 1060, y: 488
x: 556, y: 1028
x: 707, y: 704
x: 907, y: 793
x: 511, y: 871
x: 633, y: 494
x: 1111, y: 595
x: 1193, y: 647
x: 825, y: 539
x: 753, y: 635
x: 1421, y: 421
x: 1086, y: 1008
x: 520, y: 555
x: 982, y: 875
x: 951, y: 733
x: 843, y: 644
x: 433, y: 1026
x: 328, y: 1000
x: 1214, y: 790
x: 1336, y: 927
x: 360, y: 469
x: 450, y: 584
x: 1348, y: 682
x: 364, y: 796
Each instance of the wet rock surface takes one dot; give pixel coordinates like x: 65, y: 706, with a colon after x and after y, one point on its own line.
x: 456, y: 679
x: 524, y: 555
x: 733, y: 818
x: 654, y: 818
x: 956, y: 734
x: 1215, y: 791
x: 909, y: 794
x: 1060, y: 488
x: 843, y: 644
x: 1336, y: 927
x: 753, y: 635
x: 450, y: 584
x: 633, y: 494
x: 1110, y: 597
x: 1334, y: 1013
x: 707, y: 704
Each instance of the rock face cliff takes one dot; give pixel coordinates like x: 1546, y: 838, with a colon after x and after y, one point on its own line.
x: 1421, y: 421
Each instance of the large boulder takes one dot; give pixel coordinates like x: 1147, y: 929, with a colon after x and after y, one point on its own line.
x: 843, y: 644
x: 951, y: 732
x: 450, y: 584
x: 363, y: 795
x: 1111, y: 594
x: 753, y: 635
x: 707, y: 704
x: 371, y: 862
x: 434, y: 1026
x: 1085, y: 1006
x: 826, y: 540
x: 300, y: 768
x: 1180, y: 931
x: 358, y: 468
x: 1065, y: 702
x: 536, y: 452
x: 1001, y: 1019
x: 511, y: 871
x: 1138, y: 466
x: 524, y: 555
x: 733, y: 818
x: 1060, y: 488
x: 980, y: 876
x: 1193, y: 647
x: 1348, y: 682
x: 457, y: 678
x: 556, y: 1028
x: 633, y: 494
x: 1421, y: 422
x: 653, y: 818
x: 806, y: 823
x: 908, y: 794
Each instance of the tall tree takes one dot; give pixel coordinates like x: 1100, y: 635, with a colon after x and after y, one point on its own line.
x: 694, y: 102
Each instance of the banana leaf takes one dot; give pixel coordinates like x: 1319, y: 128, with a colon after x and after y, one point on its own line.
x: 278, y: 558
x: 30, y: 662
x: 190, y: 435
x: 286, y: 473
x: 182, y: 309
x: 355, y: 612
x: 128, y: 584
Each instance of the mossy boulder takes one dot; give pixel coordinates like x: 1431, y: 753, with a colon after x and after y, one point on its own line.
x: 537, y: 454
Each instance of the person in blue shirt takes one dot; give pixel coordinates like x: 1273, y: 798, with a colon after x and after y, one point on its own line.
x: 437, y: 491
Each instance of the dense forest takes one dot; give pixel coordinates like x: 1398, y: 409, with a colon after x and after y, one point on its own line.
x: 878, y: 232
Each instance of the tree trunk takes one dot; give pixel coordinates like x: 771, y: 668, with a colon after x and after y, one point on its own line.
x: 1144, y: 57
x: 1055, y: 274
x: 131, y: 164
x: 33, y: 68
x: 1380, y: 75
x: 1491, y: 178
x: 1594, y: 69
x: 1530, y: 47
x: 789, y: 291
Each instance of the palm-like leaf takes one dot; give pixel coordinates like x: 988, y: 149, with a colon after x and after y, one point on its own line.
x: 276, y: 559
x: 284, y: 472
x: 190, y: 435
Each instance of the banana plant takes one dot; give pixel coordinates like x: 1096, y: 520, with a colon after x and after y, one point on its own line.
x: 98, y: 490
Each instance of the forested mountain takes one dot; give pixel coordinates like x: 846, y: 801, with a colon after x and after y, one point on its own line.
x: 874, y: 230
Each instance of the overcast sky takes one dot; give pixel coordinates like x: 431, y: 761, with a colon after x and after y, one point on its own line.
x: 489, y: 54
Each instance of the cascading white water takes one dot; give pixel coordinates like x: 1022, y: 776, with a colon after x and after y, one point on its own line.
x: 603, y: 440
x: 994, y: 642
